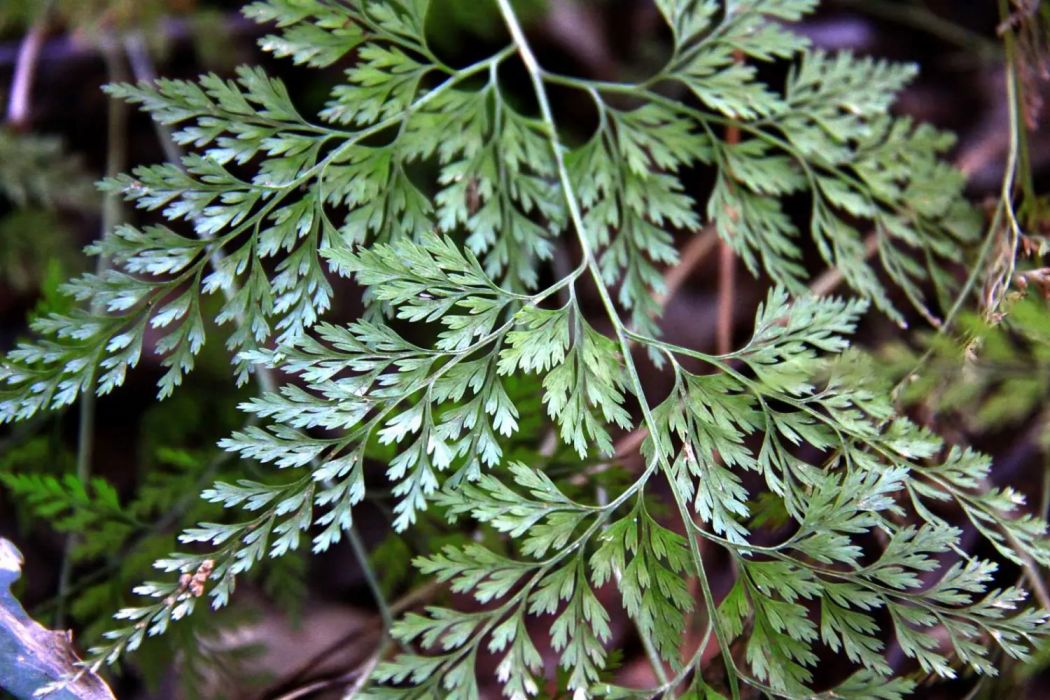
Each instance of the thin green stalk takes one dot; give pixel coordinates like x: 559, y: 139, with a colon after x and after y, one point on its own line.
x: 112, y: 213
x: 1013, y: 161
x: 689, y: 666
x: 536, y: 77
x: 1019, y: 165
x: 1004, y: 209
x: 1019, y: 147
x: 361, y: 553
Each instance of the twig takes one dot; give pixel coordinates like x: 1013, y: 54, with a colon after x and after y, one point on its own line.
x: 407, y: 601
x: 830, y: 279
x: 999, y: 285
x: 359, y: 676
x: 20, y: 98
x: 727, y: 264
x: 726, y: 297
x: 365, y: 672
x: 698, y: 248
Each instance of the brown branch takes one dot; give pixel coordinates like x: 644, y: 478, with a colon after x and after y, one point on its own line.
x: 831, y: 278
x: 698, y: 248
x: 726, y: 297
x: 727, y: 263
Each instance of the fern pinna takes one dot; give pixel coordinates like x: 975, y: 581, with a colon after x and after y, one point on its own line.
x: 446, y: 202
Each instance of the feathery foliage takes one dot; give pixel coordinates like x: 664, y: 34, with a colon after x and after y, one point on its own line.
x: 445, y: 200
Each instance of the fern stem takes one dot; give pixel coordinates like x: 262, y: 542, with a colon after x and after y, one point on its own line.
x: 695, y: 252
x: 112, y: 212
x: 726, y: 297
x: 536, y: 77
x: 1003, y: 210
x: 1015, y: 93
x: 361, y: 552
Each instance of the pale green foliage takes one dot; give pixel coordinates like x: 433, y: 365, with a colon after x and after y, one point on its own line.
x: 401, y: 107
x: 421, y: 399
x: 442, y: 200
x: 828, y: 134
x: 568, y: 546
x: 999, y: 372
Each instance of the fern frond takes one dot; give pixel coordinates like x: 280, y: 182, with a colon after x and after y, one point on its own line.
x: 443, y: 199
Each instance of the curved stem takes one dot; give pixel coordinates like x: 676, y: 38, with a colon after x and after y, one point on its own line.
x: 112, y: 212
x: 361, y: 553
x: 619, y: 328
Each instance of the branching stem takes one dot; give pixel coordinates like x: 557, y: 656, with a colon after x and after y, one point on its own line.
x: 620, y: 330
